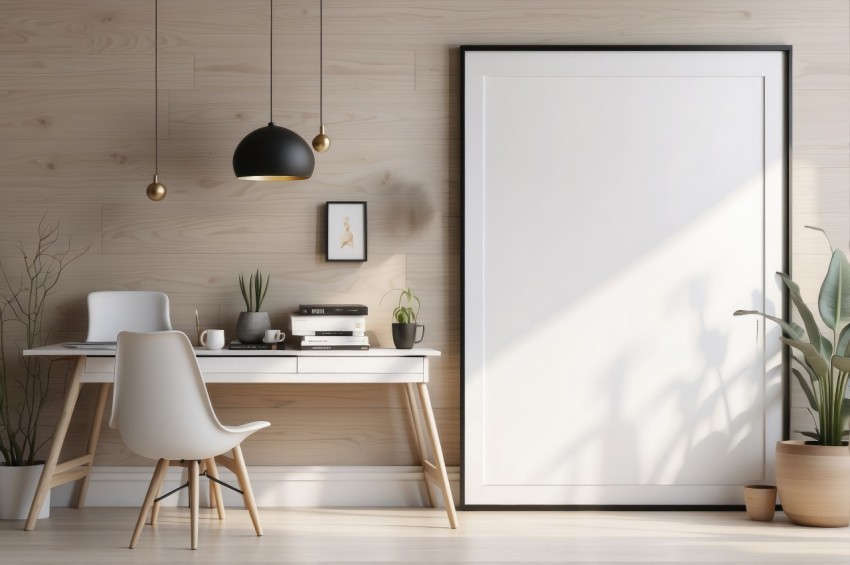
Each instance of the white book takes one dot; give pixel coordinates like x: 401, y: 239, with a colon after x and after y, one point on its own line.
x: 334, y: 340
x: 301, y: 324
x: 332, y: 333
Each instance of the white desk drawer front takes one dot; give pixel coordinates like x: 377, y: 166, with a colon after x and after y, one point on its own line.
x: 248, y: 364
x: 361, y: 365
x: 214, y: 364
x: 100, y: 365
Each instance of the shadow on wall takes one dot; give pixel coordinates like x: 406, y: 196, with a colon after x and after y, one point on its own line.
x: 410, y: 209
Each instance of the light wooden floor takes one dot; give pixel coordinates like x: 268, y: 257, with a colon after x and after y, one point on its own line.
x: 100, y: 535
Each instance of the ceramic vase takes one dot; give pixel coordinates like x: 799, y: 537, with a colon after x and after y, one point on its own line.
x: 814, y: 483
x: 252, y: 326
x: 17, y: 488
x: 760, y: 502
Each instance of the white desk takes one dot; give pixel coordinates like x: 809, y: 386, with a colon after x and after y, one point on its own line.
x: 408, y: 367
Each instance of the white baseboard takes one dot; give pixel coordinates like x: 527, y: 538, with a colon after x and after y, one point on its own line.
x: 273, y: 487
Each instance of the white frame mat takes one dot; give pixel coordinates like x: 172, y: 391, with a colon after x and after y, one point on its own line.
x: 619, y: 204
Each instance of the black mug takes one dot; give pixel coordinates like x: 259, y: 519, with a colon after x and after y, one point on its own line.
x: 404, y: 335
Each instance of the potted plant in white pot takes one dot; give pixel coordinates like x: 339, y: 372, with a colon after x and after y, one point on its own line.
x: 253, y: 323
x: 404, y: 324
x: 26, y: 382
x: 813, y: 477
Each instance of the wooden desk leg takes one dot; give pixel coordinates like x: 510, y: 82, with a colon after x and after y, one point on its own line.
x: 418, y: 437
x: 45, y: 482
x: 437, y: 449
x: 94, y: 434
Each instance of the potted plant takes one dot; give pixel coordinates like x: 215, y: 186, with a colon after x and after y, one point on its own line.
x: 26, y: 382
x: 813, y: 477
x: 404, y: 324
x: 253, y: 323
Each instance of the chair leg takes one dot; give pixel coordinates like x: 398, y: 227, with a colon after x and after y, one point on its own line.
x: 215, y: 488
x: 193, y: 501
x: 245, y: 486
x: 157, y: 491
x: 161, y: 468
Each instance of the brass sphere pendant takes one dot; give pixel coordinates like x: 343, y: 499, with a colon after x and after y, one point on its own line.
x: 321, y: 142
x: 156, y: 190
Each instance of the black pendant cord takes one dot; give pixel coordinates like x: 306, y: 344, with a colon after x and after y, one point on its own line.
x: 156, y: 87
x: 321, y: 62
x: 271, y: 60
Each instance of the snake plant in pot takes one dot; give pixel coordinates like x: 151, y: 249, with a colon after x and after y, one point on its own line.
x: 813, y: 477
x: 253, y: 323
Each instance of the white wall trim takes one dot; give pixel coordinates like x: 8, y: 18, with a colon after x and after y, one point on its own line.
x: 274, y: 486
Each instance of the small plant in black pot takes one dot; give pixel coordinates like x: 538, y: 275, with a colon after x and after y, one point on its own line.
x: 404, y: 318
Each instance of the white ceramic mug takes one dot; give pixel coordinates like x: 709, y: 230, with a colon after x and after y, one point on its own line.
x: 212, y: 339
x: 274, y: 336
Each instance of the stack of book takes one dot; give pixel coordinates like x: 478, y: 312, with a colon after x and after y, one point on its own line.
x: 321, y: 327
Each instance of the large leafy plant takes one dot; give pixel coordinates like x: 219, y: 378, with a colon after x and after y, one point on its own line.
x: 825, y: 362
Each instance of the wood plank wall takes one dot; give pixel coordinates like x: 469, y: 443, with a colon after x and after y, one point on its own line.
x: 76, y: 144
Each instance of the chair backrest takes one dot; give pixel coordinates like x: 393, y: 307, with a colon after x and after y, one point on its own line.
x: 113, y: 311
x: 160, y: 403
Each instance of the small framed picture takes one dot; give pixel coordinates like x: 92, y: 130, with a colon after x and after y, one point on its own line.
x: 346, y: 225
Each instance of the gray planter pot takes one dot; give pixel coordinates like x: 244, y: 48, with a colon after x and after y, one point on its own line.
x: 252, y: 326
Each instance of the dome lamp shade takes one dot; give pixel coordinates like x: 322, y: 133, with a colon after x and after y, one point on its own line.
x: 273, y: 153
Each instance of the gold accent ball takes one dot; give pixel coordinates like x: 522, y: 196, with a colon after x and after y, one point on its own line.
x: 321, y: 143
x: 156, y: 191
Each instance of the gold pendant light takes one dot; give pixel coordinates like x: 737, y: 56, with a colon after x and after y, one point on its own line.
x: 156, y: 191
x: 321, y: 142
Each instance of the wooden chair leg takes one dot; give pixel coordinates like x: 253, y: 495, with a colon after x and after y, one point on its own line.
x: 193, y: 501
x: 159, y: 472
x: 245, y: 485
x: 156, y: 503
x: 215, y: 488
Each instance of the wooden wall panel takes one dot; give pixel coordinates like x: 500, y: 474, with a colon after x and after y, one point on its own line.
x: 76, y: 143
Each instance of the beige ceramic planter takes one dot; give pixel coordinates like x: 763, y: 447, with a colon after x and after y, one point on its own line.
x: 814, y: 483
x: 760, y: 502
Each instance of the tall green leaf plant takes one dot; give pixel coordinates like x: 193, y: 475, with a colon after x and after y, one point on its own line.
x: 825, y: 362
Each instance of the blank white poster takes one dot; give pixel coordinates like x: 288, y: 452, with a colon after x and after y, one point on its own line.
x: 616, y: 217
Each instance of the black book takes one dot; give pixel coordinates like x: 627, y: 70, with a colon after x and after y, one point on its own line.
x: 267, y: 346
x: 333, y: 309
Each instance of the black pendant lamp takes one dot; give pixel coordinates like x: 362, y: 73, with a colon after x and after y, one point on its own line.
x: 273, y: 152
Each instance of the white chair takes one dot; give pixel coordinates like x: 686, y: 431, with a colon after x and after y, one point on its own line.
x: 113, y: 311
x: 162, y: 410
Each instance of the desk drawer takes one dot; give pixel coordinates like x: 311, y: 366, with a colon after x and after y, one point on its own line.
x: 353, y: 365
x: 100, y: 365
x: 210, y: 365
x: 214, y: 365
